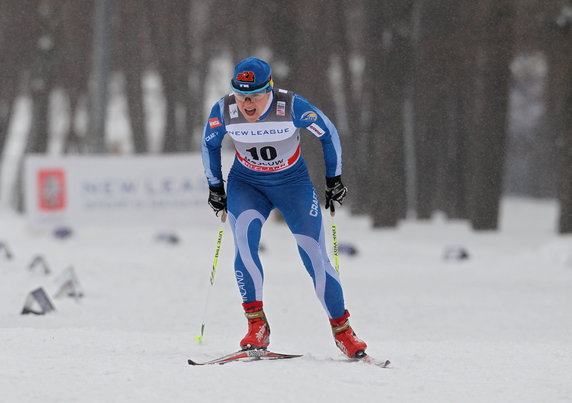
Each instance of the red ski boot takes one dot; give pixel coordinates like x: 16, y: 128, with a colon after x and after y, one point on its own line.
x: 345, y: 338
x: 258, y: 335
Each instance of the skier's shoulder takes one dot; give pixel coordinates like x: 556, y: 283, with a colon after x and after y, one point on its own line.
x: 218, y: 107
x: 304, y: 112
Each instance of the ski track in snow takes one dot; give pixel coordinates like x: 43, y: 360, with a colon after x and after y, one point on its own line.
x: 494, y: 328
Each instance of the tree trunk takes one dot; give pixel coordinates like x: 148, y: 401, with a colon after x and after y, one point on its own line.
x: 100, y: 73
x: 454, y: 189
x: 430, y: 103
x: 18, y: 44
x: 487, y: 142
x: 8, y: 84
x: 556, y: 45
x: 350, y: 126
x: 182, y: 49
x: 364, y: 143
x: 166, y: 37
x: 390, y: 62
x: 565, y: 220
x: 130, y: 42
x: 74, y: 66
x: 42, y: 79
x: 565, y: 185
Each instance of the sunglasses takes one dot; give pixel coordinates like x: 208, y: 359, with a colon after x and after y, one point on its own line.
x: 253, y: 97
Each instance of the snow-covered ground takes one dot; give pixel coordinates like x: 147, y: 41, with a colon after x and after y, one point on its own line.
x: 494, y: 328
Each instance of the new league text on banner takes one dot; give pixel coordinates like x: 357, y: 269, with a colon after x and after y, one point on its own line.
x: 162, y: 190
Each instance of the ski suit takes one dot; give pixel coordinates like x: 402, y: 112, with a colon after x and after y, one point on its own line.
x: 269, y: 172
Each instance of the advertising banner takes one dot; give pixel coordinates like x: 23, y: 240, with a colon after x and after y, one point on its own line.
x: 163, y: 190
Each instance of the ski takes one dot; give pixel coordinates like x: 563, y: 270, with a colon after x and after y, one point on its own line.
x: 245, y: 356
x: 259, y: 354
x: 368, y: 359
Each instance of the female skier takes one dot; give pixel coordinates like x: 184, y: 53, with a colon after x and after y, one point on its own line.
x: 269, y: 172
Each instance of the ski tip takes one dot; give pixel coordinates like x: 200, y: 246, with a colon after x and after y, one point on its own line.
x: 368, y: 359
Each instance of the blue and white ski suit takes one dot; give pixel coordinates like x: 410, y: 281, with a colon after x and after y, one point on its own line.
x: 269, y: 172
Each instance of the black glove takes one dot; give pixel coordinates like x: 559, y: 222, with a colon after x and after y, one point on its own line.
x: 335, y: 191
x: 217, y: 199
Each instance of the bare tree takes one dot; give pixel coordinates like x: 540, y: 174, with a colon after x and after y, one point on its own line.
x: 437, y: 140
x: 17, y: 39
x: 532, y: 152
x: 74, y: 65
x: 564, y: 24
x: 130, y: 40
x: 457, y: 67
x: 487, y: 140
x: 168, y: 24
x: 101, y: 67
x: 206, y: 42
x: 348, y: 15
x: 43, y: 74
x: 565, y: 194
x: 388, y: 58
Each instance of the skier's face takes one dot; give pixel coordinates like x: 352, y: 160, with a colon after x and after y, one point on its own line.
x: 252, y: 105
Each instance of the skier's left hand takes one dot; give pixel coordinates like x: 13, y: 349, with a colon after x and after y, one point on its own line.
x: 335, y: 191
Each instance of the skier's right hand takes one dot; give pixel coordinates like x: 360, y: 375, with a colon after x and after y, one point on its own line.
x: 217, y: 199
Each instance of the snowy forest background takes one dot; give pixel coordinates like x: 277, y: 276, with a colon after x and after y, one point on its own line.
x: 442, y: 105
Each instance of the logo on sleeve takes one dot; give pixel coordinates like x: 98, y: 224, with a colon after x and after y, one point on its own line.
x: 316, y: 130
x: 214, y: 122
x: 309, y: 116
x: 210, y: 136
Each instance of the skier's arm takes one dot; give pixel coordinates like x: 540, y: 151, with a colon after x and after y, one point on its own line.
x: 214, y: 132
x: 307, y: 116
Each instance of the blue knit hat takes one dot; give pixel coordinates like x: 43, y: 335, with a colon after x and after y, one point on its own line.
x: 252, y: 75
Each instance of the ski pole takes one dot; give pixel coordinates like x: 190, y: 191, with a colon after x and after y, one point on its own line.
x: 200, y: 337
x: 335, y: 238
